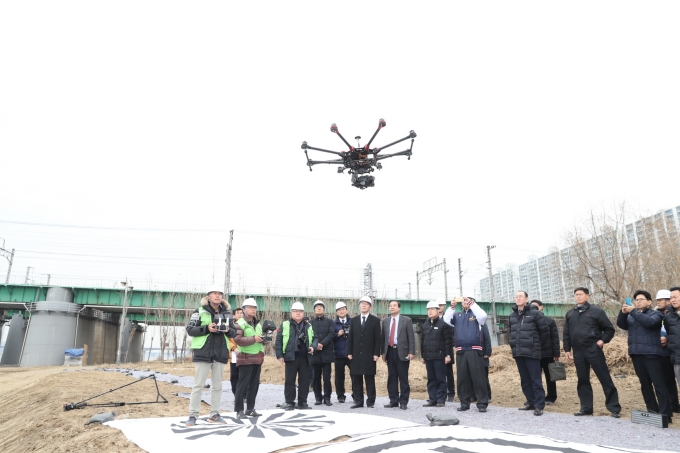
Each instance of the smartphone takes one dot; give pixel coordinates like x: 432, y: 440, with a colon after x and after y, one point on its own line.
x: 629, y: 301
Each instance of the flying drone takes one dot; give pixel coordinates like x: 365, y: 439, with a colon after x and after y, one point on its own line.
x: 357, y: 159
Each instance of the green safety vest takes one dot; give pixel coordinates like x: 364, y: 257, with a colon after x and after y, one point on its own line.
x: 206, y: 320
x: 248, y: 331
x: 286, y: 336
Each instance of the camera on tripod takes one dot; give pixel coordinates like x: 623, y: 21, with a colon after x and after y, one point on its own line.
x: 268, y: 328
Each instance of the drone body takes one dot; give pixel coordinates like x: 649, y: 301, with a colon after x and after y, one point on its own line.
x: 357, y: 160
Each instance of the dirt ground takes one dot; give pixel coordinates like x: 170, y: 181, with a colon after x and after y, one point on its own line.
x: 32, y: 418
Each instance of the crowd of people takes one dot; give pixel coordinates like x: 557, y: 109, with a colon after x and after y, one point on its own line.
x: 308, y: 347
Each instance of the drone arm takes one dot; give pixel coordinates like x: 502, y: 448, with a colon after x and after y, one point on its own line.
x: 411, y: 135
x: 381, y: 124
x: 314, y: 162
x: 407, y: 152
x: 335, y: 130
x: 305, y: 146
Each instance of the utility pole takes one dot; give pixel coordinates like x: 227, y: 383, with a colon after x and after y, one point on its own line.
x: 227, y: 269
x: 460, y: 277
x: 122, y: 321
x: 429, y: 267
x: 417, y: 286
x: 409, y: 291
x: 10, y: 257
x: 493, y: 303
x: 446, y: 285
x: 368, y: 281
x: 28, y: 272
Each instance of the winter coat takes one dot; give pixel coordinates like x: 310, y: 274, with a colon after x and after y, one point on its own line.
x: 435, y: 339
x: 551, y: 346
x: 583, y: 329
x: 250, y: 351
x: 209, y: 346
x: 340, y: 342
x: 467, y: 327
x: 672, y: 324
x: 363, y: 344
x: 487, y: 345
x: 287, y: 352
x: 528, y: 331
x: 324, y: 332
x: 644, y: 331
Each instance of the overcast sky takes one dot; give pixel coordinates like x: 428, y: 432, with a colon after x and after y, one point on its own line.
x: 160, y: 126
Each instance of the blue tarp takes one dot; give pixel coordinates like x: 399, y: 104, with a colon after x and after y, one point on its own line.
x: 75, y: 352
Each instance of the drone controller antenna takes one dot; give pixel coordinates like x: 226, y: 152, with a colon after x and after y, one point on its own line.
x: 382, y: 123
x: 334, y: 129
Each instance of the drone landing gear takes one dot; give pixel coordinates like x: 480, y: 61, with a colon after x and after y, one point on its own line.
x: 84, y: 403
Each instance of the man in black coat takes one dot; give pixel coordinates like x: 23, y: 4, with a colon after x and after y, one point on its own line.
x: 663, y: 304
x: 363, y: 350
x: 550, y: 353
x: 398, y: 349
x: 324, y: 331
x: 435, y: 349
x: 341, y: 325
x: 527, y: 330
x: 586, y: 330
x: 672, y: 324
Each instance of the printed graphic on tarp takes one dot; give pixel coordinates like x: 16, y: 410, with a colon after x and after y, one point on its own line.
x: 457, y: 439
x: 274, y: 430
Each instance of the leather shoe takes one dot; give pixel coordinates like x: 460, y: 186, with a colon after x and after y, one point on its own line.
x: 304, y: 407
x: 538, y: 412
x: 387, y: 406
x: 482, y: 409
x: 370, y: 406
x: 403, y: 408
x: 429, y: 404
x: 549, y: 403
x: 463, y: 408
x: 341, y: 399
x: 289, y: 407
x: 252, y: 413
x: 441, y: 404
x: 317, y: 403
x: 526, y: 408
x: 328, y: 403
x: 356, y: 405
x: 616, y: 415
x: 450, y: 399
x: 582, y: 412
x: 241, y: 415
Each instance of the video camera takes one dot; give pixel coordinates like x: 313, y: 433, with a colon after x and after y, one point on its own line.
x: 345, y: 329
x: 268, y: 328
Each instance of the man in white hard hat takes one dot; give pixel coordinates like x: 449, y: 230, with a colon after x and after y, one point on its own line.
x: 398, y: 349
x: 341, y: 326
x: 324, y: 355
x: 435, y: 346
x: 363, y: 350
x: 663, y: 304
x: 295, y: 344
x: 210, y: 329
x: 249, y: 359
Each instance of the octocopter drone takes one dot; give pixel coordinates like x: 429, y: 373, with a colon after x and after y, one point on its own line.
x: 357, y: 159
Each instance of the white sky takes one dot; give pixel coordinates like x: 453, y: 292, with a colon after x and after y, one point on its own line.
x: 170, y: 123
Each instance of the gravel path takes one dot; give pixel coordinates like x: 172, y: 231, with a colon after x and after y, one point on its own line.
x: 588, y: 430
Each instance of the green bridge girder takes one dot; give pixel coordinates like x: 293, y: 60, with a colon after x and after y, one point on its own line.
x: 155, y: 306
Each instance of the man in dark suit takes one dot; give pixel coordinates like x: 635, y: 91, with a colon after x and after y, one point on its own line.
x: 398, y: 348
x: 363, y: 350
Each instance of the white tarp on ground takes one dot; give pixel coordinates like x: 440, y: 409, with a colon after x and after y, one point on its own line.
x: 274, y: 430
x: 456, y: 439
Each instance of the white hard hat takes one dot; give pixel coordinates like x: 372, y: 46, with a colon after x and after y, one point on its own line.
x: 318, y: 302
x: 298, y: 306
x: 663, y: 294
x: 340, y: 305
x: 219, y: 289
x: 366, y: 299
x: 441, y: 302
x: 433, y: 304
x: 249, y: 302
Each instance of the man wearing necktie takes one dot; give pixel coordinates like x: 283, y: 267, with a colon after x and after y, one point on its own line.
x: 398, y: 349
x: 363, y: 350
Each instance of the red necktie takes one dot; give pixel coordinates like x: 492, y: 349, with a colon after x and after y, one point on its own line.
x: 392, y: 332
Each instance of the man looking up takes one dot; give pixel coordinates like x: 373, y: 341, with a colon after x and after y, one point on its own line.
x: 210, y: 348
x: 324, y: 354
x: 341, y: 326
x: 586, y: 330
x: 467, y: 332
x: 363, y: 349
x: 295, y: 343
